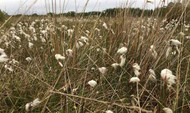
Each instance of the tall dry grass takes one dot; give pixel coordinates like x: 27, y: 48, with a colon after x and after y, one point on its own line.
x: 66, y: 89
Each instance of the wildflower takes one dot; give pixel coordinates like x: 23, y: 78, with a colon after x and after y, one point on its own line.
x: 28, y: 59
x: 122, y: 50
x: 123, y: 59
x: 167, y: 75
x: 92, y: 83
x: 134, y: 79
x: 167, y: 110
x: 152, y: 75
x: 59, y: 57
x: 69, y: 52
x: 109, y: 111
x: 33, y: 104
x: 115, y: 65
x: 103, y: 70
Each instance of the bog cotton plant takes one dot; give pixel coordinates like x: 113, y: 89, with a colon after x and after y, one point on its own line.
x: 3, y: 56
x: 123, y: 60
x: 92, y: 83
x: 152, y: 75
x: 168, y: 76
x: 28, y: 59
x: 122, y: 50
x: 109, y: 111
x: 69, y: 52
x: 103, y: 70
x: 136, y: 69
x: 115, y: 65
x: 153, y: 51
x: 134, y: 80
x: 105, y: 25
x: 167, y: 110
x: 32, y: 105
x: 59, y: 57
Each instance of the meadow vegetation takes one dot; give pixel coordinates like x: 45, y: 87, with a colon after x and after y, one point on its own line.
x: 119, y: 62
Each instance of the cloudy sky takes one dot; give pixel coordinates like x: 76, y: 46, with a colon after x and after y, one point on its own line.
x: 44, y: 6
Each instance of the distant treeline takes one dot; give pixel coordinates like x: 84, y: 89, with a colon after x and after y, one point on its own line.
x: 171, y: 11
x: 2, y: 16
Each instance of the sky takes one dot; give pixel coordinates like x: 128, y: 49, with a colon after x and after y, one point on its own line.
x: 45, y: 6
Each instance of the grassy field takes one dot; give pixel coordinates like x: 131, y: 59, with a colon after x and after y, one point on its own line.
x: 95, y: 64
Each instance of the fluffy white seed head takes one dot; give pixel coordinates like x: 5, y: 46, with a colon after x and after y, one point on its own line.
x: 33, y: 104
x: 69, y: 52
x: 152, y: 75
x: 136, y: 66
x: 123, y: 60
x: 109, y: 111
x: 92, y: 83
x: 134, y: 79
x: 167, y: 110
x: 28, y: 59
x: 168, y: 76
x: 105, y: 25
x: 175, y: 42
x: 115, y: 65
x: 59, y: 57
x: 103, y: 70
x: 122, y: 50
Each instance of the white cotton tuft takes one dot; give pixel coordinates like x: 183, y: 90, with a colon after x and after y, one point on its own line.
x: 28, y: 59
x: 152, y: 75
x: 30, y: 45
x: 167, y: 110
x: 69, y: 52
x: 123, y: 60
x: 103, y: 70
x: 3, y: 56
x: 59, y: 57
x: 33, y: 104
x: 175, y: 42
x: 153, y: 51
x: 136, y: 69
x: 92, y: 83
x: 115, y: 65
x: 167, y: 75
x: 122, y: 50
x: 134, y: 79
x: 105, y: 25
x: 109, y: 111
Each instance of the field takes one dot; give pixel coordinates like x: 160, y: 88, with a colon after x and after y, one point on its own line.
x: 120, y: 64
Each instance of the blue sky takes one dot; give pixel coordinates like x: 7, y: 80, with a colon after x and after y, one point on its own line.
x: 12, y: 6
